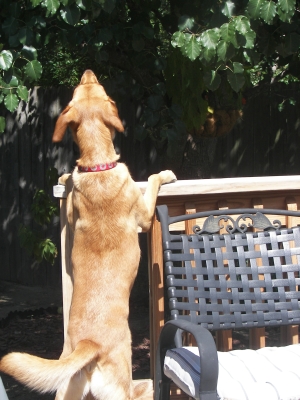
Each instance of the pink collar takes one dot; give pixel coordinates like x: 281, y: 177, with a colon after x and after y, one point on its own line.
x: 98, y: 167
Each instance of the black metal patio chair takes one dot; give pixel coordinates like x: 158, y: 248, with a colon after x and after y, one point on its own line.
x: 247, y: 277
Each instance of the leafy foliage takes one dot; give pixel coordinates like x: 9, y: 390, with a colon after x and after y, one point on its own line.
x: 43, y: 210
x: 39, y: 249
x: 179, y: 59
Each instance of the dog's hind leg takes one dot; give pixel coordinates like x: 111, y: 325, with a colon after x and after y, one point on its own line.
x: 75, y: 389
x: 109, y: 385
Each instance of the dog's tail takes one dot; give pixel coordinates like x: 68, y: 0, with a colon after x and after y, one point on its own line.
x: 48, y: 375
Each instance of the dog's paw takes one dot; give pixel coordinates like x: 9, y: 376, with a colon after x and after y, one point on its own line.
x: 62, y: 179
x: 143, y: 390
x: 167, y: 176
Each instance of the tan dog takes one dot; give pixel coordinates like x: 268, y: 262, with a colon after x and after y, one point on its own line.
x: 105, y: 209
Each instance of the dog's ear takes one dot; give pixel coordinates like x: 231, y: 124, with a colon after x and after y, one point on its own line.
x: 61, y: 125
x: 112, y: 117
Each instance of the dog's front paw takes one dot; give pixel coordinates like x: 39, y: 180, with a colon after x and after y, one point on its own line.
x: 167, y: 176
x: 63, y: 179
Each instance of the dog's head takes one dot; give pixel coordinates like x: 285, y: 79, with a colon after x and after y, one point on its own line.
x: 90, y: 105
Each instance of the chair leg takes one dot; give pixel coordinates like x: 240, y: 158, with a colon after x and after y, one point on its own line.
x: 162, y: 390
x: 165, y: 390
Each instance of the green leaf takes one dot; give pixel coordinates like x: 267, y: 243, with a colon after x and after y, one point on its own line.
x: 252, y: 56
x: 47, y: 250
x: 285, y: 16
x: 228, y: 8
x: 150, y: 117
x: 148, y: 32
x: 141, y: 29
x: 238, y: 68
x: 23, y: 93
x: 109, y: 6
x: 17, y: 73
x: 178, y: 39
x: 287, y: 6
x: 2, y: 124
x: 210, y: 38
x: 292, y: 42
x: 268, y: 11
x: 155, y: 102
x: 207, y: 55
x: 236, y: 81
x: 192, y: 48
x: 6, y: 59
x: 222, y: 49
x: 227, y: 32
x: 25, y: 36
x: 51, y: 5
x: 187, y: 38
x: 11, y: 102
x: 225, y: 50
x: 160, y: 63
x: 4, y: 87
x: 84, y: 4
x: 33, y: 70
x: 13, y: 82
x: 10, y: 26
x: 70, y: 15
x: 250, y: 37
x: 14, y: 41
x: 29, y: 53
x: 185, y: 22
x: 254, y: 7
x: 281, y: 106
x: 35, y: 2
x: 104, y: 35
x: 242, y: 24
x: 159, y: 88
x: 37, y: 21
x: 212, y: 80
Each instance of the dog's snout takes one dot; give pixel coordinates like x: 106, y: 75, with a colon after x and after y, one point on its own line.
x: 88, y: 77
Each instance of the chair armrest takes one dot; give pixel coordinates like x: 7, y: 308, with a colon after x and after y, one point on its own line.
x: 207, y: 349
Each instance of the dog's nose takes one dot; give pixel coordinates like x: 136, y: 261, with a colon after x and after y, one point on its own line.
x: 88, y: 77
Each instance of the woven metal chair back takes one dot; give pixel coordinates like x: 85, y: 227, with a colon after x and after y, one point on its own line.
x: 247, y: 277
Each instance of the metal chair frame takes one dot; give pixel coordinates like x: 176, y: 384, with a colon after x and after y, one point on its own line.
x: 248, y: 277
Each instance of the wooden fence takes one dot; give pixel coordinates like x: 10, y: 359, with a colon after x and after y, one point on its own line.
x: 265, y: 142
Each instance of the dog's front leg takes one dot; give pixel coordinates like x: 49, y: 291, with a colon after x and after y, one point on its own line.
x: 70, y: 211
x: 149, y: 199
x: 67, y: 181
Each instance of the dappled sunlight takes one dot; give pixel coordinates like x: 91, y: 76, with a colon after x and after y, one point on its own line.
x: 5, y: 299
x: 11, y: 215
x: 141, y: 356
